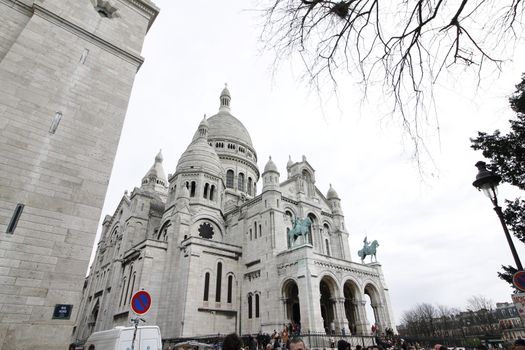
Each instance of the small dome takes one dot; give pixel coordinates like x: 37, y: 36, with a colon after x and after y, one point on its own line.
x: 200, y: 155
x: 270, y: 166
x: 331, y: 193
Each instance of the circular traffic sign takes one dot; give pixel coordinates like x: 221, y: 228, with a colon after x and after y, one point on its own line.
x: 141, y: 302
x: 519, y: 280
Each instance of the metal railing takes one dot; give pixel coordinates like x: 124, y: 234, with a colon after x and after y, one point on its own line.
x: 312, y: 340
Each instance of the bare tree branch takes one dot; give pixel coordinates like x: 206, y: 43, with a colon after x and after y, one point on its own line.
x: 406, y: 44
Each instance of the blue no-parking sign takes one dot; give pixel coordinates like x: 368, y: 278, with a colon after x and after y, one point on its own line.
x: 519, y: 280
x: 141, y: 302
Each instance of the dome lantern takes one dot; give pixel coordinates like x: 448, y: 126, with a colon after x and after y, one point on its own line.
x: 225, y: 99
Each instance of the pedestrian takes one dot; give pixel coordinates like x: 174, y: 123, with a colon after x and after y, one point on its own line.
x: 91, y: 347
x: 298, y: 344
x: 519, y: 344
x: 341, y: 344
x: 232, y: 342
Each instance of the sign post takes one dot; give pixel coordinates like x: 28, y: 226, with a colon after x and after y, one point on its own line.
x: 140, y: 304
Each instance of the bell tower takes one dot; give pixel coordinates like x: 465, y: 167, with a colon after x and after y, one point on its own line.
x: 66, y: 70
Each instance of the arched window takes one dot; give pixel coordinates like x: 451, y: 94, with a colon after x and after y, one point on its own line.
x: 230, y: 288
x: 122, y: 292
x: 250, y: 234
x: 256, y: 305
x: 192, y: 189
x: 219, y: 281
x: 206, y: 286
x: 240, y: 182
x: 229, y: 179
x: 311, y: 228
x: 132, y: 286
x: 260, y: 230
x: 187, y: 185
x: 327, y: 246
x: 250, y: 186
x: 212, y: 192
x: 255, y: 228
x: 127, y: 288
x: 205, y: 194
x: 250, y: 306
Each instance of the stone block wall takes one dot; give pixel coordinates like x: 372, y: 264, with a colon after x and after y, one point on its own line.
x: 52, y: 60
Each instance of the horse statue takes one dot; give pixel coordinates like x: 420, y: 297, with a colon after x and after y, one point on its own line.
x: 368, y: 249
x: 300, y: 228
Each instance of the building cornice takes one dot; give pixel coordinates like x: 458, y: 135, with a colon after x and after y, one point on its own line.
x: 132, y: 58
x: 148, y: 8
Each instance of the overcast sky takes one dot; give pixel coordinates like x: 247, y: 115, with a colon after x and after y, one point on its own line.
x: 440, y: 240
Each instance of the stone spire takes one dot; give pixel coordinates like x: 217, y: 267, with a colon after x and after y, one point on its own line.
x: 225, y: 99
x: 155, y: 179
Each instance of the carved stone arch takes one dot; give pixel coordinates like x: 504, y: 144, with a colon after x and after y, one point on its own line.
x: 331, y: 279
x: 314, y: 217
x: 114, y: 233
x: 163, y: 231
x: 314, y: 227
x: 376, y: 303
x: 289, y: 212
x: 373, y: 291
x: 329, y: 293
x: 291, y: 300
x: 352, y: 300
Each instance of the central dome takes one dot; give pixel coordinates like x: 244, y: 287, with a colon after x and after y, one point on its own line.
x: 224, y: 125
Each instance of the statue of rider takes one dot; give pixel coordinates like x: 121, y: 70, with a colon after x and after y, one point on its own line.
x: 365, y: 241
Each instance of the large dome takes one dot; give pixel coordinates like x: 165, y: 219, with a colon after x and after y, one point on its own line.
x: 224, y: 125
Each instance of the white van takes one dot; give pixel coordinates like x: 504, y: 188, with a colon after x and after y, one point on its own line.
x: 119, y: 338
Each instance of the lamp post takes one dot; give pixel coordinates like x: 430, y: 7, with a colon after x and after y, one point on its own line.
x: 488, y: 182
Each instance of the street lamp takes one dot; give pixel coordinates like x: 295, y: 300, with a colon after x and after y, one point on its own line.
x: 488, y: 182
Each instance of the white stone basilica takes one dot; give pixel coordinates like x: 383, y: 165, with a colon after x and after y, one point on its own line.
x: 213, y: 250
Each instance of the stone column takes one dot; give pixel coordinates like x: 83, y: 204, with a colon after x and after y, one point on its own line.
x: 363, y: 327
x: 284, y: 309
x: 341, y: 321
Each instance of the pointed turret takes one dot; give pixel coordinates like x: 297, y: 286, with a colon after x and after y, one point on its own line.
x: 155, y: 179
x: 270, y: 176
x: 334, y: 200
x: 202, y: 130
x: 332, y: 194
x: 225, y: 99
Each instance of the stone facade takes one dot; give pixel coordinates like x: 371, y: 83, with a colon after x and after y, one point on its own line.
x: 66, y: 72
x: 217, y: 256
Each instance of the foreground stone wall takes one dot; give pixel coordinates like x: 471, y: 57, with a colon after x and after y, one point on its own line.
x: 52, y: 59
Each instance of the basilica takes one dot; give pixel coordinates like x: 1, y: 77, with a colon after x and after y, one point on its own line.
x: 222, y: 247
